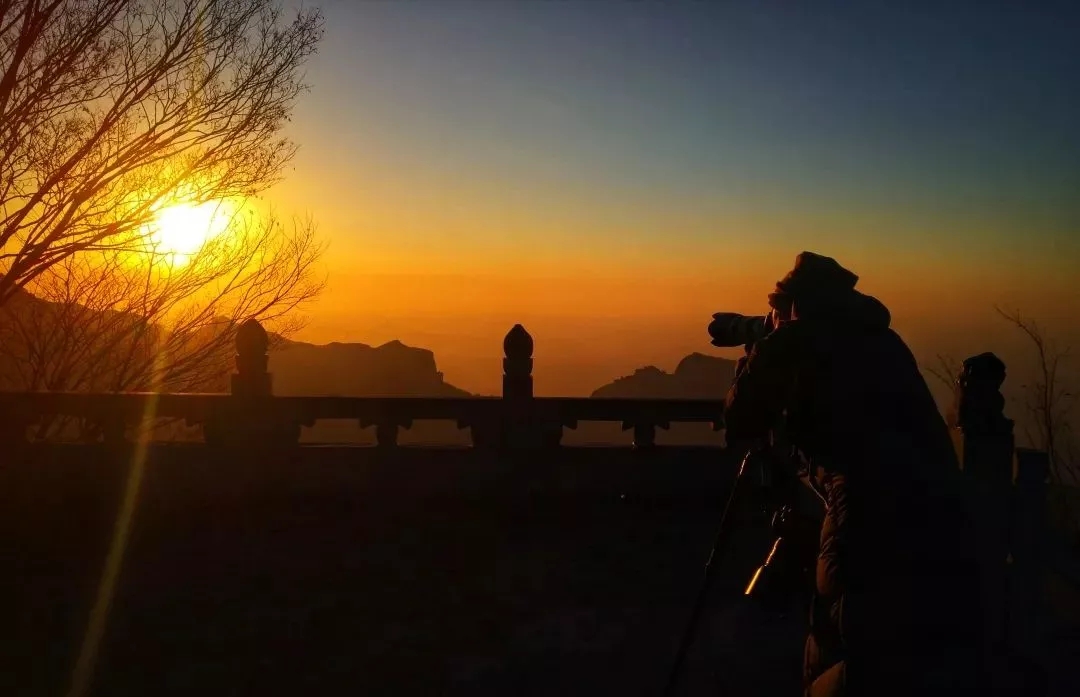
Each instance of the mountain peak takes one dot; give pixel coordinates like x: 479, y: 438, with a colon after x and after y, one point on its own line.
x: 354, y: 369
x: 697, y: 376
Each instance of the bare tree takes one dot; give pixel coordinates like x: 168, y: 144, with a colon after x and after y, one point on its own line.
x: 1048, y: 404
x: 1048, y: 401
x: 112, y: 109
x: 116, y: 321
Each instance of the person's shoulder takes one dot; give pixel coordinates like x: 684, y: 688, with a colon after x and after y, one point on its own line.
x: 791, y: 332
x: 897, y: 346
x: 784, y: 340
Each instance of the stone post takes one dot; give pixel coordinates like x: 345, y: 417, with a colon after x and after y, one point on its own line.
x: 113, y: 430
x: 250, y: 419
x: 14, y: 423
x: 985, y: 448
x: 516, y: 428
x: 517, y: 365
x: 1028, y: 568
x: 251, y: 378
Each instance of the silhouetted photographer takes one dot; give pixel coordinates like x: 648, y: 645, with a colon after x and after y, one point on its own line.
x: 895, y: 604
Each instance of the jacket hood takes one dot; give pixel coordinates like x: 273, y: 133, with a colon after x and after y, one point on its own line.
x: 848, y: 311
x: 816, y: 274
x: 823, y: 290
x: 862, y: 310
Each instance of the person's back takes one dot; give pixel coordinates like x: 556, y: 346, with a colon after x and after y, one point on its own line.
x: 900, y: 529
x: 896, y: 609
x: 863, y: 390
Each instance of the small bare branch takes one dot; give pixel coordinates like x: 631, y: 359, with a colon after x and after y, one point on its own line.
x: 1049, y: 403
x: 946, y: 370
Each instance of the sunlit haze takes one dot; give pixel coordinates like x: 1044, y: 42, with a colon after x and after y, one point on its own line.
x: 611, y: 173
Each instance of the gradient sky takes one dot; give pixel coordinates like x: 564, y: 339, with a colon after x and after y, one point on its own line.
x: 611, y: 173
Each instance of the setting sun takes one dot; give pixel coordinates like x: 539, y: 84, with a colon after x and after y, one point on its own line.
x: 181, y: 230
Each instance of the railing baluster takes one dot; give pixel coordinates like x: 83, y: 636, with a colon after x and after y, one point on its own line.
x: 113, y: 429
x: 644, y: 435
x: 14, y: 423
x: 386, y: 434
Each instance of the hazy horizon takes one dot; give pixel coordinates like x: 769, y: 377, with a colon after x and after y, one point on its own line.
x: 610, y: 174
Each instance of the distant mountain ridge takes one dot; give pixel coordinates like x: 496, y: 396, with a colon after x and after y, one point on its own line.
x: 355, y: 369
x: 698, y: 376
x: 298, y: 368
x: 343, y: 369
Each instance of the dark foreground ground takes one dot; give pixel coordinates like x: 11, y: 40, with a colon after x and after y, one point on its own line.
x: 345, y: 572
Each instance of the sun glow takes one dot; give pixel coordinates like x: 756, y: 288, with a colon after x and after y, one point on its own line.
x: 181, y: 230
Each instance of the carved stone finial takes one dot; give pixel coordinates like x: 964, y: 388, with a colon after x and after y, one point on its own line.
x: 979, y: 404
x: 986, y: 367
x: 251, y: 339
x: 252, y: 344
x: 518, y: 364
x: 518, y: 344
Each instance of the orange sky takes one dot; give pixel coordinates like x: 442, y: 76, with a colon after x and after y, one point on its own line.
x: 591, y: 327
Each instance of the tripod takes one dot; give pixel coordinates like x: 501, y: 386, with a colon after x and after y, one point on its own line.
x: 774, y: 580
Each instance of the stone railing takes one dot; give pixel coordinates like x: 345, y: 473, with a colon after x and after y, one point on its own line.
x: 252, y: 415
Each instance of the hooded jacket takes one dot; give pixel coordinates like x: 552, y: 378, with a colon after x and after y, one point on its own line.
x: 894, y: 582
x: 849, y: 385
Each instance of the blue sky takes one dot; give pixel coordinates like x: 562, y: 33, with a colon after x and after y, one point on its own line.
x: 864, y: 106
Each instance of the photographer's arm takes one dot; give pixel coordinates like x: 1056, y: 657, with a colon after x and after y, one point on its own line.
x: 760, y: 391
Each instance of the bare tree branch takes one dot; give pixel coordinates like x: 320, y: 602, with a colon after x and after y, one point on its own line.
x: 946, y: 371
x: 110, y: 109
x: 1047, y: 399
x: 117, y: 321
x: 1048, y: 403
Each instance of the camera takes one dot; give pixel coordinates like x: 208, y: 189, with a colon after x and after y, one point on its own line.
x: 730, y: 329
